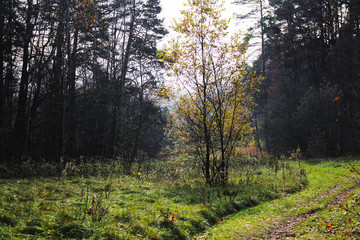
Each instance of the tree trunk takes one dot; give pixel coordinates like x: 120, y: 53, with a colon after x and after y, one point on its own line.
x: 71, y: 141
x: 2, y: 85
x: 118, y: 100
x: 56, y: 108
x: 20, y: 121
x: 8, y: 144
x: 263, y: 62
x: 2, y: 49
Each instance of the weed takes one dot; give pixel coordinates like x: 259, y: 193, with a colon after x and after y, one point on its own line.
x: 167, y: 216
x: 70, y: 170
x: 97, y: 209
x: 124, y: 216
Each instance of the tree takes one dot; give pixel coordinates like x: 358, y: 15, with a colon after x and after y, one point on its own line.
x: 133, y: 75
x: 257, y: 10
x: 78, y: 78
x: 20, y: 121
x: 3, y: 91
x: 208, y: 64
x: 260, y: 12
x: 310, y: 66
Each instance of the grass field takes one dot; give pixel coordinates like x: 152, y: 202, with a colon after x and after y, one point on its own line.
x: 152, y: 205
x: 327, y: 180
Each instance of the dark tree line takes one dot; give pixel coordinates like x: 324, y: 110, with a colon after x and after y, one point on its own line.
x: 78, y: 78
x: 310, y: 97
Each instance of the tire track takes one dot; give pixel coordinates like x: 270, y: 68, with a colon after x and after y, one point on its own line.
x: 284, y: 229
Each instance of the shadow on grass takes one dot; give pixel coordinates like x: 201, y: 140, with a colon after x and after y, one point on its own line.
x: 172, y: 231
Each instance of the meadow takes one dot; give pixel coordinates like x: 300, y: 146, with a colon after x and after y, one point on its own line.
x: 328, y: 208
x: 169, y: 200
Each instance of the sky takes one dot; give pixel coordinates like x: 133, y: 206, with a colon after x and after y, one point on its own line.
x: 171, y: 9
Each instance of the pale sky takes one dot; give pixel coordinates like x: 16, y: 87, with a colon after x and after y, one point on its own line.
x: 171, y: 9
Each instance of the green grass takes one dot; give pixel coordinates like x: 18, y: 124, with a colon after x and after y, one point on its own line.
x: 165, y: 201
x: 256, y: 222
x: 333, y: 222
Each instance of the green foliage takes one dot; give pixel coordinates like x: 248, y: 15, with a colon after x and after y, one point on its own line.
x: 97, y: 210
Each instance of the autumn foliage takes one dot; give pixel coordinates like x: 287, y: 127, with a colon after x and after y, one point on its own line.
x: 208, y: 68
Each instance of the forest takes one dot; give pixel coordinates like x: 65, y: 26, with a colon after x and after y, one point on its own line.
x: 81, y: 79
x: 113, y: 126
x: 310, y: 60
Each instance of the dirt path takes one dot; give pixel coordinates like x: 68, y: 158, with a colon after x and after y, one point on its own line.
x: 284, y: 229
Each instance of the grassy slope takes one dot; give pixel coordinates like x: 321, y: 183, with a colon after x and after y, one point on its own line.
x: 138, y: 208
x: 162, y: 204
x: 256, y: 222
x: 330, y: 223
x: 121, y: 208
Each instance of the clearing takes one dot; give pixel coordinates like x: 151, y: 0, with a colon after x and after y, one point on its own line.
x: 272, y: 202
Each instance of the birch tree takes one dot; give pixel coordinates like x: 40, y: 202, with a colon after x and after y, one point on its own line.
x: 208, y: 66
